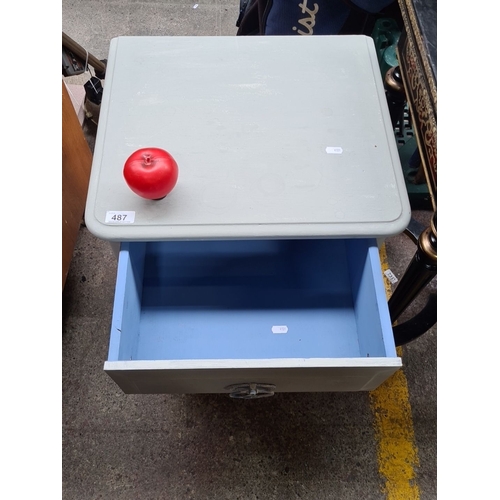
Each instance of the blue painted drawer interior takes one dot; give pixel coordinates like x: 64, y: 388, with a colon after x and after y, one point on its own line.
x: 248, y: 300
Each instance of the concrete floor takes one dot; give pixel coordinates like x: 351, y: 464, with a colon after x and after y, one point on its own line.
x: 312, y: 446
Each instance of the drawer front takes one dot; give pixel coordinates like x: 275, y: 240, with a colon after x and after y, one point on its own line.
x: 225, y: 317
x: 218, y: 376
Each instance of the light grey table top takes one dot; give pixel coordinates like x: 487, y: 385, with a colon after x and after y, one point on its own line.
x: 275, y: 137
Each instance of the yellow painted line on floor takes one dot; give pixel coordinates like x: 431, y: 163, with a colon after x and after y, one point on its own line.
x: 397, y: 451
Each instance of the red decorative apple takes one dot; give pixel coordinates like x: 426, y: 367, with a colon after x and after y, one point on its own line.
x: 151, y: 173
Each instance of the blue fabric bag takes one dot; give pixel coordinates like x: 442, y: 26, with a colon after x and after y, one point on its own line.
x: 306, y: 17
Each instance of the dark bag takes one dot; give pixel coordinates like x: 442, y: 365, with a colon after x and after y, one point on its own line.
x: 309, y: 17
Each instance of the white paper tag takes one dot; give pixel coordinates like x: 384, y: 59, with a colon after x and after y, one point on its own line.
x: 391, y: 276
x: 334, y: 150
x: 279, y: 329
x: 119, y: 217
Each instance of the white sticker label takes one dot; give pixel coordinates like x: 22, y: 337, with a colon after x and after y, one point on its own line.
x: 334, y: 150
x: 391, y: 276
x: 119, y: 217
x: 279, y: 329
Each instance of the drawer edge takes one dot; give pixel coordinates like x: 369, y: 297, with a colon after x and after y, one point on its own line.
x: 214, y: 364
x: 216, y: 376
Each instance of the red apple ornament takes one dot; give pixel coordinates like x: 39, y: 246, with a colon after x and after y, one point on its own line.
x: 151, y: 173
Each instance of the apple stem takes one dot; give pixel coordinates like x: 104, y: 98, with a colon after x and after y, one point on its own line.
x: 147, y: 159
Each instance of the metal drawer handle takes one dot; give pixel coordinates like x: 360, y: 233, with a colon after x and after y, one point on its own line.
x: 250, y: 390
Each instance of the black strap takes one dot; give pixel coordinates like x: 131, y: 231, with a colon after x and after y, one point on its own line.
x: 253, y: 21
x: 243, y: 7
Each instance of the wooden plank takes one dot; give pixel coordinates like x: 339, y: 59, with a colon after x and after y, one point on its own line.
x: 76, y: 164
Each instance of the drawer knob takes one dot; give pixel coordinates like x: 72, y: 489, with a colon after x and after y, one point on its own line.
x: 250, y: 390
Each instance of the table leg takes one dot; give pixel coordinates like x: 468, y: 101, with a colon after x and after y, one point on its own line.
x: 421, y: 270
x: 396, y: 97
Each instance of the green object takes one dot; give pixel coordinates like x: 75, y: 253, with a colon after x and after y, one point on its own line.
x: 386, y: 36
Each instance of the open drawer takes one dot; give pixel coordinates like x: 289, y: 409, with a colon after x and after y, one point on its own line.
x: 250, y: 317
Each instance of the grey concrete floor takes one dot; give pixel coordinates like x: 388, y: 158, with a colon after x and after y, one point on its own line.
x: 115, y: 446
